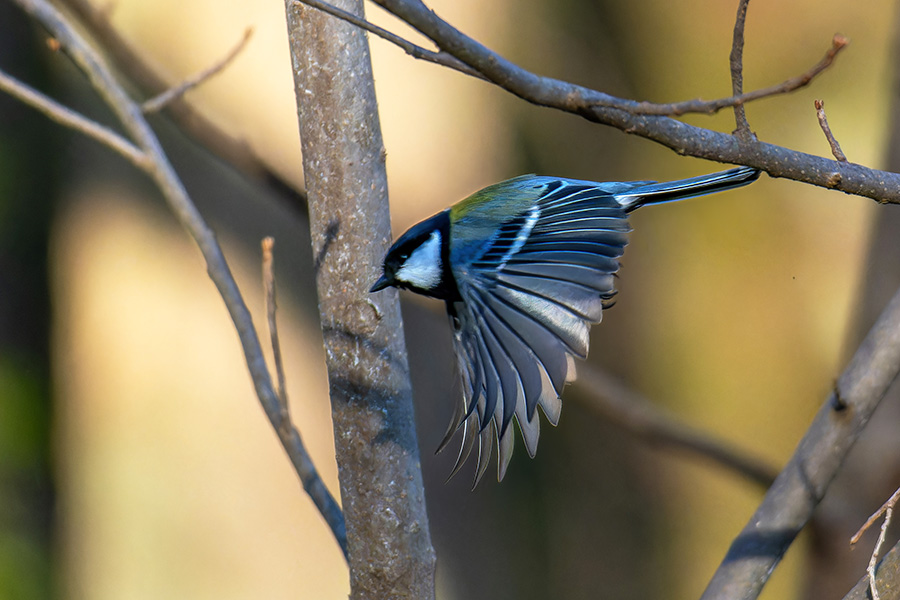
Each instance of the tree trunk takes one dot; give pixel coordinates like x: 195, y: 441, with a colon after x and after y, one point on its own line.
x: 377, y: 453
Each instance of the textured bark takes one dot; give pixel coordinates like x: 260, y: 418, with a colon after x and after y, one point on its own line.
x: 377, y: 454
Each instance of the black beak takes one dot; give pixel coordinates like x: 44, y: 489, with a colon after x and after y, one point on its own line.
x: 382, y: 283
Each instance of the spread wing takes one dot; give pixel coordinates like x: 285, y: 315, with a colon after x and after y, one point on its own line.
x: 527, y: 301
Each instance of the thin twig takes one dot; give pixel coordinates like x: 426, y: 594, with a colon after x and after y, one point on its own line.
x: 69, y: 118
x: 887, y: 510
x: 790, y: 502
x: 873, y: 560
x: 675, y: 109
x: 158, y: 167
x: 414, y: 50
x: 287, y: 431
x: 234, y: 150
x: 159, y: 102
x: 832, y: 141
x: 736, y: 61
x: 271, y: 308
x: 888, y: 577
x: 619, y: 404
x: 891, y: 503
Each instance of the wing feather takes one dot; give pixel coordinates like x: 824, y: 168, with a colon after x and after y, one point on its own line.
x: 529, y: 296
x: 607, y: 247
x: 598, y: 262
x: 567, y: 326
x: 586, y: 303
x: 531, y: 287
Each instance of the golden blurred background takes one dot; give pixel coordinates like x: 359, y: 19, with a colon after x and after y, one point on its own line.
x: 735, y: 312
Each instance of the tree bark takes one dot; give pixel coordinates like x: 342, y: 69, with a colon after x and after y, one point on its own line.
x: 377, y: 453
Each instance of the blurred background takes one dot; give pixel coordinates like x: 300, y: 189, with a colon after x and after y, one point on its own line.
x: 135, y: 461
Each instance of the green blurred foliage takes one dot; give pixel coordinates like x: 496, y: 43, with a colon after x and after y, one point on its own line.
x: 28, y: 165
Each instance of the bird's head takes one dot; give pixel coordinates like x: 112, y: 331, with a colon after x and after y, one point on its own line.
x: 417, y: 261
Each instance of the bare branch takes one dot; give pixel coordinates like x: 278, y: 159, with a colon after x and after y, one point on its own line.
x: 838, y: 43
x: 873, y: 560
x: 271, y: 308
x: 157, y: 165
x: 621, y: 405
x: 622, y: 114
x: 736, y: 60
x: 800, y: 487
x: 438, y: 58
x: 887, y: 509
x: 823, y: 123
x: 891, y: 503
x: 192, y: 122
x: 69, y: 118
x: 888, y: 577
x: 159, y: 102
x: 287, y: 432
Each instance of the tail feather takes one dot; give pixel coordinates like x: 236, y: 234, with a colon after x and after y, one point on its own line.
x: 669, y: 191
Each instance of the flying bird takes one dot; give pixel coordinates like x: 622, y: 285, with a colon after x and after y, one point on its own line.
x: 525, y: 267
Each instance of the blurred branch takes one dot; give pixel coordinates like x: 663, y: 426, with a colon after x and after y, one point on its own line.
x: 287, y: 432
x: 159, y: 102
x: 888, y: 577
x: 371, y: 398
x: 268, y: 260
x: 799, y: 488
x: 628, y: 115
x: 621, y: 405
x: 233, y: 150
x: 154, y: 162
x: 823, y: 123
x: 67, y: 117
x: 888, y: 505
x: 736, y: 61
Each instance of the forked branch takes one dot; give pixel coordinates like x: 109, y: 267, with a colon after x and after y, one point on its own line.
x: 632, y: 117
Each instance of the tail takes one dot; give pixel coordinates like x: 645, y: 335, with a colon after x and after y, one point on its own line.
x: 669, y: 191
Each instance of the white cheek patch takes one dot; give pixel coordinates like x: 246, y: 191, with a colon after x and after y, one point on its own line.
x: 423, y: 267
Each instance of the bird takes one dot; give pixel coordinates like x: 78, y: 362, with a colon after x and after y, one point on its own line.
x: 525, y: 267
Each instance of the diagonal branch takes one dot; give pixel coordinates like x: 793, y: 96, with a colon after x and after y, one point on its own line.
x: 67, y: 117
x: 156, y: 164
x: 159, y: 102
x: 800, y: 487
x: 194, y: 123
x: 737, y: 100
x: 287, y: 432
x: 685, y: 139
